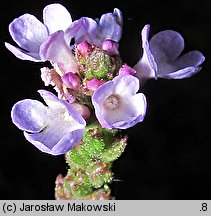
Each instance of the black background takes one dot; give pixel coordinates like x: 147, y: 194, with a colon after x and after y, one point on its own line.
x: 168, y: 155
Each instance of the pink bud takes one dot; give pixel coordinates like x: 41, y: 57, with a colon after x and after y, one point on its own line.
x: 125, y: 69
x: 111, y: 47
x: 82, y: 109
x: 84, y: 48
x: 93, y: 84
x: 71, y: 80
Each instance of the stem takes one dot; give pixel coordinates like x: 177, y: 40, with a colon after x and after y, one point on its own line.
x: 90, y: 163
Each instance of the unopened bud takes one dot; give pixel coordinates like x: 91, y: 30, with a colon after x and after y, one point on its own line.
x: 82, y: 110
x: 93, y: 84
x: 125, y: 69
x: 111, y: 47
x: 84, y: 48
x: 71, y: 80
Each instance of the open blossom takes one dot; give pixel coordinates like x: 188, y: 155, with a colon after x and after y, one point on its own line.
x: 108, y: 27
x: 56, y: 49
x: 161, y: 57
x: 53, y: 129
x: 29, y: 33
x: 50, y: 40
x: 117, y: 103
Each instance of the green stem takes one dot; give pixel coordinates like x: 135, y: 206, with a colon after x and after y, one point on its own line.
x: 90, y: 163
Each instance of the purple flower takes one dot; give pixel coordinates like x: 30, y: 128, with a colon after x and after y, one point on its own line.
x: 117, y: 104
x: 108, y: 27
x: 53, y: 129
x: 161, y: 57
x: 29, y: 33
x: 56, y: 49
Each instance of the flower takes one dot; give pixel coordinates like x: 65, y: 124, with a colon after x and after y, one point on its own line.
x: 29, y: 33
x: 56, y: 49
x: 108, y: 27
x: 161, y: 57
x: 53, y: 129
x: 117, y: 104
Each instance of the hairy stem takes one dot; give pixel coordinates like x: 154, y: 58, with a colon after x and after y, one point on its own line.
x: 90, y: 163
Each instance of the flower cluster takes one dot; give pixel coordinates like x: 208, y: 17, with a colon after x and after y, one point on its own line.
x: 89, y: 77
x: 96, y: 94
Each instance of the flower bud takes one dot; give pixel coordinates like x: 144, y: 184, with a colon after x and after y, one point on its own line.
x: 84, y: 48
x: 71, y: 80
x: 111, y: 47
x: 93, y: 84
x: 82, y: 110
x: 125, y: 69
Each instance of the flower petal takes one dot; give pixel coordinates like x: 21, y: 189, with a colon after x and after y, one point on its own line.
x: 80, y: 30
x: 182, y: 73
x: 125, y: 85
x: 21, y: 54
x: 55, y: 141
x: 55, y: 103
x: 28, y: 32
x: 54, y: 129
x: 166, y: 46
x: 110, y: 26
x: 29, y: 115
x: 183, y: 67
x: 84, y: 29
x: 56, y: 17
x: 98, y: 98
x: 55, y: 49
x: 131, y: 111
x: 116, y: 103
x: 146, y: 67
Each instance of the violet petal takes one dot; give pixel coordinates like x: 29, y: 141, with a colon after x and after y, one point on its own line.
x: 53, y: 129
x: 116, y: 103
x: 185, y: 66
x: 29, y: 115
x: 146, y: 67
x: 23, y: 55
x: 84, y: 29
x: 56, y: 17
x: 98, y: 98
x: 110, y: 26
x: 166, y: 46
x: 161, y: 57
x: 56, y: 49
x: 28, y: 32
